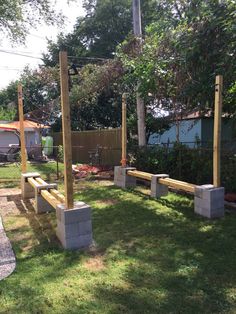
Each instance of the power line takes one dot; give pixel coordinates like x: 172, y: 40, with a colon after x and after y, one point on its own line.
x: 20, y: 54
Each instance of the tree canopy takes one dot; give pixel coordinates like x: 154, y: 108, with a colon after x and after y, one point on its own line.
x: 186, y: 43
x: 17, y: 16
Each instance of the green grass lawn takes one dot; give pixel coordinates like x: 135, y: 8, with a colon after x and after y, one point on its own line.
x: 150, y: 257
x: 11, y: 172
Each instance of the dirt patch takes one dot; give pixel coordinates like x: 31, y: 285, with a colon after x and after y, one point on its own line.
x: 95, y: 263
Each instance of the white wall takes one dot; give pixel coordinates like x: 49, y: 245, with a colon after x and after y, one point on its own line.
x: 189, y: 129
x: 7, y: 138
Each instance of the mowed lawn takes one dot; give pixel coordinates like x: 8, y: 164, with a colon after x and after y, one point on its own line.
x: 151, y: 256
x: 10, y: 173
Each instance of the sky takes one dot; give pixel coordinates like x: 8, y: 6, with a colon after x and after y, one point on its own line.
x: 11, y: 65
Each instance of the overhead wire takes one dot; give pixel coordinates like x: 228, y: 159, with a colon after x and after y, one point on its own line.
x: 20, y: 54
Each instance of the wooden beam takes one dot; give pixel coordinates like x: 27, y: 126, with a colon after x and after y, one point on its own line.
x: 50, y: 198
x: 124, y: 131
x: 41, y: 181
x: 217, y: 130
x: 140, y: 174
x: 33, y: 182
x: 178, y: 185
x: 58, y: 195
x: 22, y: 131
x: 66, y: 127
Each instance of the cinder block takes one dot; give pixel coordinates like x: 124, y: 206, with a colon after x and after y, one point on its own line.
x: 46, y: 187
x: 41, y: 205
x: 201, y: 188
x: 209, y: 201
x: 75, y: 229
x: 121, y: 178
x: 76, y: 243
x: 157, y: 189
x: 81, y: 212
x: 74, y: 226
x: 27, y: 190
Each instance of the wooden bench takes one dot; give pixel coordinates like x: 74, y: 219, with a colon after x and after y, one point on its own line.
x: 175, y: 184
x: 47, y: 191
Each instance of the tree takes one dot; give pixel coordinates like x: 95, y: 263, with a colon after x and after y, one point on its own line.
x: 17, y: 16
x: 105, y: 25
x: 181, y: 57
x: 41, y: 92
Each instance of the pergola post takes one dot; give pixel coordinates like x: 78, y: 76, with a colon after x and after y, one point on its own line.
x: 22, y: 131
x: 66, y: 127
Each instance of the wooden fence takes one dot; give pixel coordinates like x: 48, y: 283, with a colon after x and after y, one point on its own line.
x: 85, y: 145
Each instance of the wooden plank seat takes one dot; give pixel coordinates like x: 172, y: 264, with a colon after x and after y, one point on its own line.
x: 175, y: 184
x: 49, y: 193
x: 140, y: 174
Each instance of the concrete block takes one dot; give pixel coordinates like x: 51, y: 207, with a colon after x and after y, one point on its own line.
x: 75, y: 229
x: 201, y: 188
x: 81, y: 212
x: 46, y: 187
x: 157, y: 189
x: 121, y: 178
x: 81, y: 242
x: 74, y: 226
x: 209, y: 201
x: 27, y: 191
x: 41, y: 205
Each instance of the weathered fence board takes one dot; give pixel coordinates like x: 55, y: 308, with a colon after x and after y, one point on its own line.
x: 86, y: 143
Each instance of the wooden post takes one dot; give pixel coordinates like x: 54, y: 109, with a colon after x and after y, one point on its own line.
x: 140, y: 105
x: 124, y: 131
x: 217, y: 130
x: 66, y: 128
x: 22, y: 131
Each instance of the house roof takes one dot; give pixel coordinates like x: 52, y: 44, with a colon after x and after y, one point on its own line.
x: 15, y: 125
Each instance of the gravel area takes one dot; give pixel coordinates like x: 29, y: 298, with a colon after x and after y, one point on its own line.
x: 7, y: 256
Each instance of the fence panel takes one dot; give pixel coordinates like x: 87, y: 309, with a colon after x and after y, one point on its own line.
x: 106, y: 143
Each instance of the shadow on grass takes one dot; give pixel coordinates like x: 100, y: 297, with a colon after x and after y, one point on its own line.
x: 40, y: 260
x: 181, y: 263
x: 159, y: 258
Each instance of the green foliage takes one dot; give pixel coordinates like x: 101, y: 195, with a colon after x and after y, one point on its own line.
x: 193, y: 165
x: 17, y: 16
x: 60, y: 153
x: 41, y: 92
x: 7, y: 114
x: 182, y: 54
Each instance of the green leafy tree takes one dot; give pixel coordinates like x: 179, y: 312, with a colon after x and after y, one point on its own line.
x: 17, y: 16
x: 41, y: 94
x: 181, y: 56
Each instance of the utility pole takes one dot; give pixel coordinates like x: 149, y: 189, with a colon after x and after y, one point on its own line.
x: 137, y: 27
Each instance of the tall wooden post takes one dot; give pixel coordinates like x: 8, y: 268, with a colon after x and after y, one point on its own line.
x: 217, y: 130
x: 22, y: 131
x: 66, y: 128
x: 124, y: 131
x: 140, y: 105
